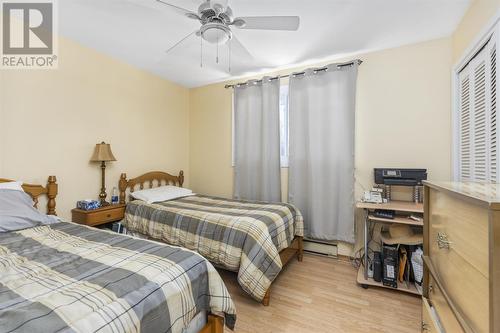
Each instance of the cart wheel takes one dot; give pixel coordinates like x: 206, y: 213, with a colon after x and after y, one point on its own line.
x: 364, y: 286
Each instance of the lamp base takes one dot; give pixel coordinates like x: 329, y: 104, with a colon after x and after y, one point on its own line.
x: 103, y: 195
x: 105, y: 203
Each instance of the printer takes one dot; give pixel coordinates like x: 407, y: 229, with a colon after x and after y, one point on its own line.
x: 399, y: 177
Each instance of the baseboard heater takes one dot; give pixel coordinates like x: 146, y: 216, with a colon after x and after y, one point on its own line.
x: 321, y: 248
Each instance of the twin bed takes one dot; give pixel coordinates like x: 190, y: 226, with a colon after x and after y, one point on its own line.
x: 60, y: 276
x: 63, y: 277
x: 254, y: 239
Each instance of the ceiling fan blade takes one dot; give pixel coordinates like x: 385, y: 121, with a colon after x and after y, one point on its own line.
x: 290, y: 23
x: 179, y: 42
x: 181, y: 10
x: 238, y: 48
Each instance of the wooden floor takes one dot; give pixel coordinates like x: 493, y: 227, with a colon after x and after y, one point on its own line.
x: 321, y: 295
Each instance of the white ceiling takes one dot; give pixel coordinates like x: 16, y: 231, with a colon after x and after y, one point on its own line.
x: 140, y: 31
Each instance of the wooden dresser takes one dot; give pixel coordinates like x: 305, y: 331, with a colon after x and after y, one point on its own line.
x: 461, y: 257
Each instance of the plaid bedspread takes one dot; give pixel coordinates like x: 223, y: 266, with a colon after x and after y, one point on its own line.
x: 69, y: 278
x: 241, y: 236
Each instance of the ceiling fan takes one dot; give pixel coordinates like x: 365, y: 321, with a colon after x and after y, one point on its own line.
x: 217, y: 19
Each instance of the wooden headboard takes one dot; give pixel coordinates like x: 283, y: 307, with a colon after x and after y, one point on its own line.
x: 149, y: 177
x: 36, y: 191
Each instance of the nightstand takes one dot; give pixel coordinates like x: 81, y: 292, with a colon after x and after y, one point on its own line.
x: 96, y: 217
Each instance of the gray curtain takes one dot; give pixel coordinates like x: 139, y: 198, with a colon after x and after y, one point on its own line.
x: 321, y: 161
x: 257, y: 141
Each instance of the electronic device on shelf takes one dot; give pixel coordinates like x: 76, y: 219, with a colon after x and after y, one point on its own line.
x: 390, y: 260
x: 373, y: 196
x: 384, y: 213
x: 400, y: 177
x: 377, y: 266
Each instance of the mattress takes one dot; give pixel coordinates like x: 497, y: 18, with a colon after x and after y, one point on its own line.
x: 66, y: 277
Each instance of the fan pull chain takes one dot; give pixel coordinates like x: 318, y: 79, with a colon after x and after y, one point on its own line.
x: 217, y: 47
x: 229, y: 48
x: 201, y: 51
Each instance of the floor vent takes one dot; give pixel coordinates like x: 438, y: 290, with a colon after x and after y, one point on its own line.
x: 321, y: 248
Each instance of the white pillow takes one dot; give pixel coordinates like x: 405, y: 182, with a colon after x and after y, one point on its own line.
x: 12, y: 186
x: 162, y: 193
x: 17, y: 212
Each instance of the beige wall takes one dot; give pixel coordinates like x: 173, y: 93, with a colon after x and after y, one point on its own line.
x: 210, y: 140
x: 51, y: 120
x: 475, y: 20
x: 402, y: 118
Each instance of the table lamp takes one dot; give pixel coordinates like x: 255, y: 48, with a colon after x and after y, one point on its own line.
x: 103, y: 154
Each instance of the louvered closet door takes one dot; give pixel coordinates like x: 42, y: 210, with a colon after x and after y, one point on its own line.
x: 480, y: 118
x: 477, y: 117
x: 494, y: 165
x: 465, y: 125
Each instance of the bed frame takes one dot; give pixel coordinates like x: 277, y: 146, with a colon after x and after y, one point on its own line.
x: 295, y: 248
x: 215, y: 324
x: 150, y: 178
x: 36, y: 191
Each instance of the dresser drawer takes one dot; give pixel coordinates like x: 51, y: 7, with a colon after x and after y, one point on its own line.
x: 462, y: 264
x: 429, y: 322
x: 445, y: 315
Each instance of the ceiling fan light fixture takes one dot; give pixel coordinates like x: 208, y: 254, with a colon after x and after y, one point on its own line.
x: 215, y: 33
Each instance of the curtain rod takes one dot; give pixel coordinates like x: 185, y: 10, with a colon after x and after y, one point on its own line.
x: 350, y: 63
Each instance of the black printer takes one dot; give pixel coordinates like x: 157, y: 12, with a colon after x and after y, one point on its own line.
x: 399, y: 177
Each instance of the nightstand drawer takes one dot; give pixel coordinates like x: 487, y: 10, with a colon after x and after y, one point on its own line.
x: 99, y: 216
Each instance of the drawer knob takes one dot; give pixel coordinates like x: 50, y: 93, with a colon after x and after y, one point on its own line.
x: 109, y: 215
x: 431, y: 288
x: 425, y: 327
x: 442, y: 241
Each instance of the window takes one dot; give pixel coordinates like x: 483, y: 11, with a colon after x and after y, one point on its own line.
x: 283, y: 126
x: 477, y: 120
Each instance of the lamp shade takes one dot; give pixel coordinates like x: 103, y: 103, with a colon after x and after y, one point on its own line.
x: 102, y: 153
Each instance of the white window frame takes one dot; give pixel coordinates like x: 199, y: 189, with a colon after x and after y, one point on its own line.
x: 286, y: 139
x: 492, y: 30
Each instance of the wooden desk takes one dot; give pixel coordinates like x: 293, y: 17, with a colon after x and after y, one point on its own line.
x: 406, y: 207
